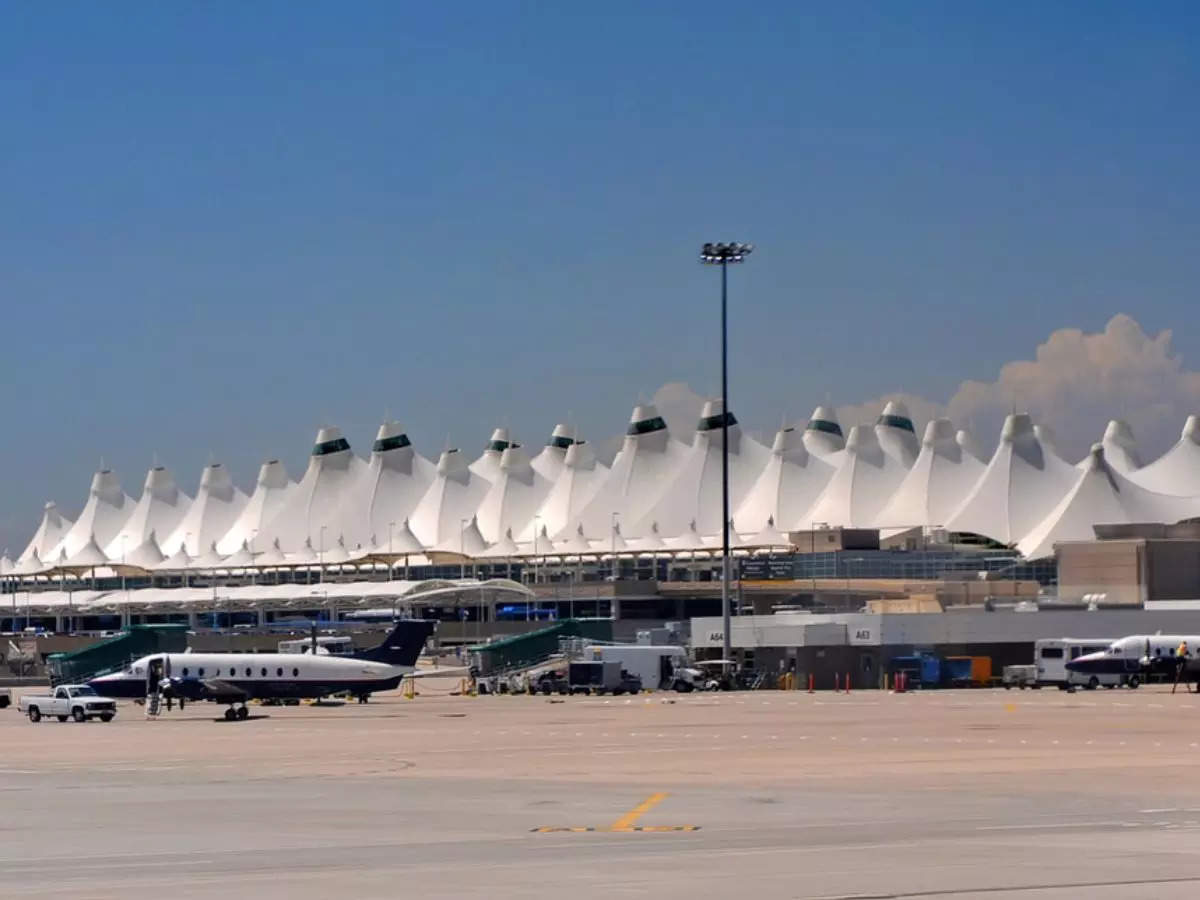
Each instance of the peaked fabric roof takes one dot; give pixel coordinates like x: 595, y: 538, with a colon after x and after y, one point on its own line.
x: 823, y: 435
x: 317, y: 501
x: 395, y: 480
x: 454, y: 495
x: 647, y: 462
x: 694, y: 494
x: 468, y: 541
x: 1120, y: 449
x: 789, y: 484
x: 1178, y: 470
x: 936, y: 485
x: 270, y: 494
x: 1019, y: 487
x: 577, y: 483
x: 147, y: 555
x: 102, y: 518
x: 160, y: 509
x: 217, y: 506
x: 1101, y: 495
x: 49, y: 533
x: 865, y: 478
x: 513, y: 498
x: 550, y: 461
x: 487, y: 466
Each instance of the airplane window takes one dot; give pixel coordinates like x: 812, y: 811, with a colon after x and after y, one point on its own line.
x: 295, y: 673
x: 264, y: 672
x: 232, y: 670
x: 248, y: 670
x: 279, y: 671
x: 200, y: 671
x: 185, y: 671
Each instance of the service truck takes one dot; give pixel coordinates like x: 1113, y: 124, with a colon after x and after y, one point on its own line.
x: 76, y: 701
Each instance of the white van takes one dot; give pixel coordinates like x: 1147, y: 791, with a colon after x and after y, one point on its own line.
x: 1051, y: 655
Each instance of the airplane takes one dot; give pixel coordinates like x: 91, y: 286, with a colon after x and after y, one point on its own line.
x: 1140, y: 654
x: 235, y: 678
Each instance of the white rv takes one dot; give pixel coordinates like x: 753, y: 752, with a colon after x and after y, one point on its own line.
x: 1051, y: 656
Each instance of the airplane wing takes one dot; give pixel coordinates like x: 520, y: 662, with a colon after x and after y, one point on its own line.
x: 222, y: 691
x: 448, y: 671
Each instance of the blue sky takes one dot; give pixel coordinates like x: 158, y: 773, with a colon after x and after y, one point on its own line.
x: 223, y: 225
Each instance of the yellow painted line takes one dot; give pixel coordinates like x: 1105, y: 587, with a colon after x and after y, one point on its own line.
x: 625, y: 823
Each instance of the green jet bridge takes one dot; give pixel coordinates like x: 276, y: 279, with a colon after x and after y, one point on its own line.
x: 115, y: 653
x: 524, y: 650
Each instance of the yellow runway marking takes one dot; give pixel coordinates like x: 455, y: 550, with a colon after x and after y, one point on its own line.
x: 625, y: 823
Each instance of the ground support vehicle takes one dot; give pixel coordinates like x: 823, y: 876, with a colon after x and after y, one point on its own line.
x: 75, y: 701
x: 1021, y: 677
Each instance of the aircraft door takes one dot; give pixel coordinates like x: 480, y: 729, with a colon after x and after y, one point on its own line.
x: 155, y: 670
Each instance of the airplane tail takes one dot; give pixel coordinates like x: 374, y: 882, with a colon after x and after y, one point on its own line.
x: 404, y: 644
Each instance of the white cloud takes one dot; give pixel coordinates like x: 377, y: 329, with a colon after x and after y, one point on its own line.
x: 1077, y: 382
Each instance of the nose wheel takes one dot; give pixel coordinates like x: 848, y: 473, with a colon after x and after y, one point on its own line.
x: 237, y: 713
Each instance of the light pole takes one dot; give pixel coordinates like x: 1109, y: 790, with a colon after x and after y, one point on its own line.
x: 724, y: 255
x: 612, y: 534
x: 321, y: 556
x: 462, y: 544
x: 391, y: 559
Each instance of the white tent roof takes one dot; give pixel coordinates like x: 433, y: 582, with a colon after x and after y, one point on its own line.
x: 176, y: 562
x: 1019, y: 487
x: 649, y: 542
x: 575, y: 545
x: 823, y: 434
x: 89, y: 556
x: 242, y: 558
x: 1049, y: 440
x: 788, y: 485
x: 487, y: 466
x: 649, y: 457
x: 454, y: 495
x: 335, y: 554
x: 210, y: 559
x: 505, y: 548
x: 937, y: 484
x: 102, y: 518
x: 967, y: 441
x: 550, y: 461
x: 30, y: 565
x: 514, y: 497
x: 146, y: 555
x: 1178, y: 470
x: 273, y: 556
x: 217, y: 506
x: 1120, y: 449
x: 866, y: 477
x: 317, y: 501
x: 395, y: 480
x: 694, y: 494
x: 397, y: 539
x: 270, y: 494
x: 49, y: 534
x: 6, y: 565
x: 767, y: 536
x: 1101, y: 495
x: 466, y: 540
x: 896, y: 434
x: 160, y: 509
x: 576, y: 484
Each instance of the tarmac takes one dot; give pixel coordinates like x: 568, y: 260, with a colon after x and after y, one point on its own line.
x: 949, y: 794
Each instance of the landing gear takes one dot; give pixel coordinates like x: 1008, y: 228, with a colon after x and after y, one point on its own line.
x: 362, y: 698
x: 237, y: 713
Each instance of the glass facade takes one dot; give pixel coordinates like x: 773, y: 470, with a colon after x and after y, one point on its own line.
x: 708, y: 423
x: 896, y: 422
x: 825, y: 426
x: 646, y: 426
x: 392, y: 443
x: 326, y: 447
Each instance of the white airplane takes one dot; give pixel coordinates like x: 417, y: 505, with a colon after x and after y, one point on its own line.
x: 1143, y: 654
x: 235, y: 678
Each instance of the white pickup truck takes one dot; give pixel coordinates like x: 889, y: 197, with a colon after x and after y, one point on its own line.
x: 78, y: 701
